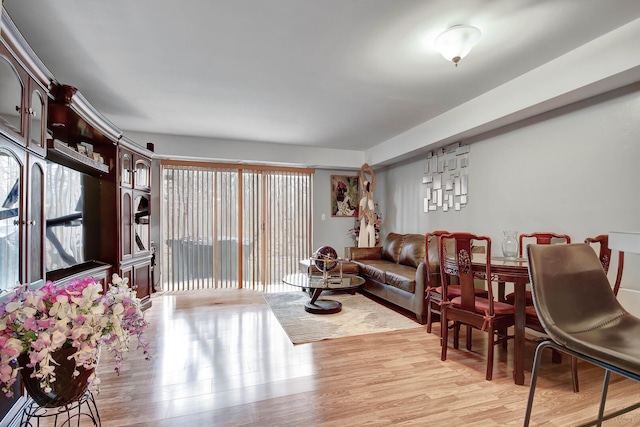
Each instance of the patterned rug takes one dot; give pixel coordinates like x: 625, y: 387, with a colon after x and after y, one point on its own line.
x: 360, y: 315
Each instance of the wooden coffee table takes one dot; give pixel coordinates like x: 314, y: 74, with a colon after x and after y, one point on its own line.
x: 316, y: 284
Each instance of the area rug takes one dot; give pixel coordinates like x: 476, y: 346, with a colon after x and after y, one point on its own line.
x: 360, y: 315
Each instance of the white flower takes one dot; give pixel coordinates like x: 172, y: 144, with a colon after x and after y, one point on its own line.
x: 58, y: 339
x: 13, y: 306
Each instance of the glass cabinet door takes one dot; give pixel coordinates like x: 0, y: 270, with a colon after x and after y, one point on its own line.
x: 35, y: 224
x: 142, y: 227
x: 126, y: 224
x: 125, y: 170
x: 143, y: 174
x: 11, y: 88
x: 36, y: 129
x: 10, y: 214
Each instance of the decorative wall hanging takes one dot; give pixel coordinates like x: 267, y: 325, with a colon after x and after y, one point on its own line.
x: 345, y: 192
x: 366, y: 208
x: 446, y: 179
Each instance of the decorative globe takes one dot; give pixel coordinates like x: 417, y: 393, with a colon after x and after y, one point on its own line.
x: 323, y: 258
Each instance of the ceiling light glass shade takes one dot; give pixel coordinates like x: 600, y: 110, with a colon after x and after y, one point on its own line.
x: 455, y: 43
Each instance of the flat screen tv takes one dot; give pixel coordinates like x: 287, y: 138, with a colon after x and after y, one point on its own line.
x: 65, y: 233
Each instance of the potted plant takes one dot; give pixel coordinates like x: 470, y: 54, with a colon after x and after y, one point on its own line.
x: 59, y: 331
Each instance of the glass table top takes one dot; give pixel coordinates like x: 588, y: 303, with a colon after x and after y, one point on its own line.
x: 303, y: 280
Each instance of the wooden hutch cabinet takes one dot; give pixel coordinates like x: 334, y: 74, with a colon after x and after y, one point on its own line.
x: 134, y: 166
x: 84, y: 149
x: 24, y: 98
x: 58, y: 152
x: 23, y: 104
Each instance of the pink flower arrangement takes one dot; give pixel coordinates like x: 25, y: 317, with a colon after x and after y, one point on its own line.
x: 39, y: 322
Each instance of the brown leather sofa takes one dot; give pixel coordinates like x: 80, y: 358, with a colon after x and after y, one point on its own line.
x: 396, y: 271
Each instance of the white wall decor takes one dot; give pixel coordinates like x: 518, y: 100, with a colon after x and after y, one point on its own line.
x: 445, y: 178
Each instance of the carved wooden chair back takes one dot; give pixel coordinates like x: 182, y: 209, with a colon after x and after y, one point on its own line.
x: 456, y: 251
x: 433, y: 292
x: 605, y: 257
x: 542, y: 238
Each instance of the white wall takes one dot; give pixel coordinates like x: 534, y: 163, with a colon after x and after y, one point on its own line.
x: 575, y: 170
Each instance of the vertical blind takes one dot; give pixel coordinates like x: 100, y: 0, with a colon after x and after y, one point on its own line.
x: 225, y: 226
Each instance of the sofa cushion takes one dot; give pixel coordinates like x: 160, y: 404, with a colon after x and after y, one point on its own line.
x: 365, y: 253
x: 412, y: 252
x: 401, y: 277
x: 392, y: 246
x: 373, y: 269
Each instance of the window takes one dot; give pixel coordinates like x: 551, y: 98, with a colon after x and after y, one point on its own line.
x: 225, y: 226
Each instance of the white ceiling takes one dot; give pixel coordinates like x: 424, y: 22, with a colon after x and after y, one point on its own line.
x: 346, y: 74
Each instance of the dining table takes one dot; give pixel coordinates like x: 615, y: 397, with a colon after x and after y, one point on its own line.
x: 516, y: 271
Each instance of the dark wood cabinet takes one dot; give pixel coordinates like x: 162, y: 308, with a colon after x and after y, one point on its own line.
x: 54, y: 142
x: 13, y: 80
x: 25, y: 90
x: 23, y: 134
x: 135, y: 200
x: 36, y: 113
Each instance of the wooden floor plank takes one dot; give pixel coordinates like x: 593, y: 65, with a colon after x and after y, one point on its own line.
x: 221, y: 358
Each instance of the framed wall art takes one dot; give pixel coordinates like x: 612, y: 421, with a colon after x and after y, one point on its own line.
x: 345, y: 193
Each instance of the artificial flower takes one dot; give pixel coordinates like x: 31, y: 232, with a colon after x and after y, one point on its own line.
x: 39, y: 322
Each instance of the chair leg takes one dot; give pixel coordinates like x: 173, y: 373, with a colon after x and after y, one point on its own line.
x: 429, y: 315
x: 444, y: 334
x: 469, y: 329
x: 534, y: 378
x: 492, y: 343
x: 603, y: 397
x: 574, y: 374
x: 456, y: 335
x: 556, y: 356
x: 504, y: 333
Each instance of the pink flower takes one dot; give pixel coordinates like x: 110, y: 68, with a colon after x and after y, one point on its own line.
x: 77, y: 315
x: 31, y: 324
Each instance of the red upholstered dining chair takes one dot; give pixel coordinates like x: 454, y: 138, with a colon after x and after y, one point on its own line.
x: 605, y: 258
x: 539, y: 238
x: 483, y: 313
x: 434, y: 287
x: 542, y: 238
x: 434, y: 290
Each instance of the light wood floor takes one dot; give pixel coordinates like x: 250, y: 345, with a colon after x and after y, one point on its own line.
x: 221, y: 358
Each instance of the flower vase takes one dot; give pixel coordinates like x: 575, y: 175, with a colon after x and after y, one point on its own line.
x: 510, y: 244
x: 65, y: 389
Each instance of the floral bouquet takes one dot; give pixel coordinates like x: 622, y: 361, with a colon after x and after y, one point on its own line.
x: 38, y: 322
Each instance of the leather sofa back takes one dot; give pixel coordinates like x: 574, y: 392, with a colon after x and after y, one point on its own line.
x: 392, y: 246
x: 412, y: 252
x: 405, y: 249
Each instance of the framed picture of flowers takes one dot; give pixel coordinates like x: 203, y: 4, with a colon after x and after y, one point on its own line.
x: 345, y: 193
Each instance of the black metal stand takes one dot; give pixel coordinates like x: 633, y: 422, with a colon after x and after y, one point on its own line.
x: 62, y: 416
x: 605, y: 385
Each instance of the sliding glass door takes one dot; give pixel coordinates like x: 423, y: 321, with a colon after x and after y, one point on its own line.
x: 233, y: 227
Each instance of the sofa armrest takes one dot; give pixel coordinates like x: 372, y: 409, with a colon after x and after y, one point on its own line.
x: 355, y: 253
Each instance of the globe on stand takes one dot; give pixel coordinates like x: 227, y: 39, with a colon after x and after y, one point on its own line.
x: 325, y: 259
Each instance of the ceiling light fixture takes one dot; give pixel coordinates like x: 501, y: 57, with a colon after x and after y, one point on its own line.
x: 455, y: 43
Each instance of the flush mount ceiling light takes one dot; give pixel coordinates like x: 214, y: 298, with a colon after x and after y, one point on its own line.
x: 455, y: 43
